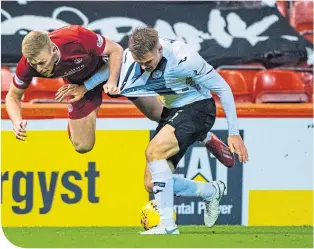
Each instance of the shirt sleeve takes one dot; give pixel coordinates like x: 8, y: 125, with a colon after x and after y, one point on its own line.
x: 91, y: 41
x: 193, y: 67
x: 23, y: 74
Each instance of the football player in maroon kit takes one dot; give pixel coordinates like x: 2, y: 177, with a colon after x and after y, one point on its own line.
x: 75, y: 54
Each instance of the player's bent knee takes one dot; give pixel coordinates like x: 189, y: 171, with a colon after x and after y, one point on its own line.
x: 148, y: 186
x: 159, y: 150
x: 153, y: 152
x: 83, y: 148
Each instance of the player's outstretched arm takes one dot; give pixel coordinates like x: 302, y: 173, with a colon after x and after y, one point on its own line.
x: 78, y: 91
x: 14, y: 109
x: 106, y: 48
x: 223, y: 90
x: 202, y: 73
x: 237, y: 145
x: 114, y: 51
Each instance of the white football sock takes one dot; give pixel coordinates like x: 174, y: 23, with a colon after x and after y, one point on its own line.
x: 162, y: 179
x: 190, y: 188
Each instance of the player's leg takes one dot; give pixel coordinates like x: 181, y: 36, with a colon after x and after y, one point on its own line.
x: 82, y: 120
x: 182, y: 186
x: 190, y: 124
x: 148, y: 184
x: 218, y: 148
x: 175, y: 133
x: 161, y: 147
x: 187, y: 125
x: 205, y: 115
x: 83, y: 132
x: 151, y: 107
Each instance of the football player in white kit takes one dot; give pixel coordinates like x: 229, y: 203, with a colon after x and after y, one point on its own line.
x: 155, y: 66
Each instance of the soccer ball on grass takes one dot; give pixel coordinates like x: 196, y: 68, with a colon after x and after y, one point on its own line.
x: 150, y: 216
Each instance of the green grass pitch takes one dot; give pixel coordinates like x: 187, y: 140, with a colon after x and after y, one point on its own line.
x: 190, y: 237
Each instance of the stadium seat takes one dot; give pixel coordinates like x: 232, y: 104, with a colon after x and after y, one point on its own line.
x: 302, y: 18
x: 249, y: 76
x: 309, y: 90
x: 306, y: 30
x: 238, y: 85
x: 42, y: 90
x: 6, y: 78
x: 282, y: 7
x: 248, y: 70
x: 308, y: 84
x: 274, y: 86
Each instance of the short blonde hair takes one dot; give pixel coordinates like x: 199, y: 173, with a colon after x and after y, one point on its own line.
x: 143, y: 40
x: 35, y: 42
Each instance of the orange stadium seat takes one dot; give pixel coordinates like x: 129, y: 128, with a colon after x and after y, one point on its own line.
x: 308, y: 83
x: 249, y: 76
x: 273, y: 86
x: 238, y: 85
x: 43, y: 90
x: 309, y: 90
x: 306, y: 30
x: 302, y: 18
x: 6, y: 78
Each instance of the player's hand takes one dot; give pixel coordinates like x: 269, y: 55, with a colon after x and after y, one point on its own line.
x: 111, y: 88
x: 19, y: 128
x: 76, y: 92
x: 236, y: 145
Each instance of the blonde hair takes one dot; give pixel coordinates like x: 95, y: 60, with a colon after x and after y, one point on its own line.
x: 143, y: 40
x: 35, y: 42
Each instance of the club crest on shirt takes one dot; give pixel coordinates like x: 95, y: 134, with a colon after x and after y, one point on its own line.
x: 157, y: 74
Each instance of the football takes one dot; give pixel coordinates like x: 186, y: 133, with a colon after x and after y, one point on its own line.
x: 150, y: 216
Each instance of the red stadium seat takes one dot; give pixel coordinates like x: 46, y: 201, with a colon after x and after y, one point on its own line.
x: 306, y: 30
x: 42, y: 90
x: 308, y: 84
x: 309, y: 90
x: 249, y: 76
x: 282, y: 6
x: 6, y: 78
x: 302, y: 18
x: 272, y: 86
x: 238, y: 85
x: 302, y: 12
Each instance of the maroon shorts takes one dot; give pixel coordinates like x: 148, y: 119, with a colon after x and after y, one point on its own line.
x: 91, y: 101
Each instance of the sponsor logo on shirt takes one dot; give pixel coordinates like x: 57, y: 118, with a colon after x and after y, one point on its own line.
x: 190, y: 82
x: 73, y: 71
